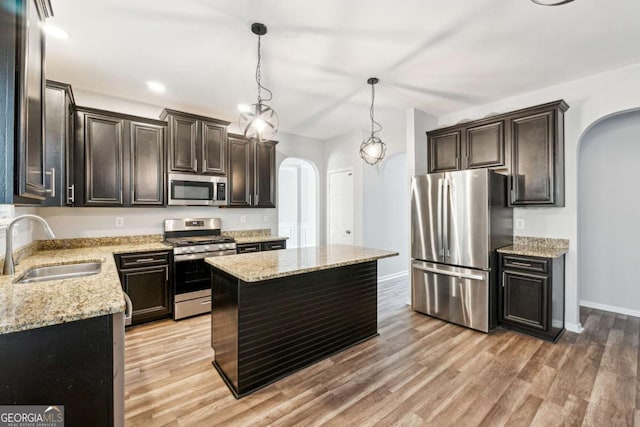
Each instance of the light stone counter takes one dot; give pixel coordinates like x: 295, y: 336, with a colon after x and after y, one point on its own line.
x: 26, y: 306
x: 258, y: 266
x: 537, y: 247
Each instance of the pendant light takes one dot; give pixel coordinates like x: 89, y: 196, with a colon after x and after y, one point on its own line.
x: 372, y: 149
x: 260, y: 121
x: 551, y: 2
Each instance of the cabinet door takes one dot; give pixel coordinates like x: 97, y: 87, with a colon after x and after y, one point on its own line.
x: 525, y: 300
x: 183, y: 147
x: 149, y: 291
x: 103, y: 152
x: 55, y: 147
x: 484, y: 146
x: 533, y: 141
x: 147, y: 161
x: 265, y: 175
x: 444, y: 152
x: 214, y: 149
x: 30, y: 107
x: 240, y: 172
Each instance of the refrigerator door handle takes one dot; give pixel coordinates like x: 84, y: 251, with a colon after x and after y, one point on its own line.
x: 446, y: 185
x: 439, y: 219
x: 448, y: 273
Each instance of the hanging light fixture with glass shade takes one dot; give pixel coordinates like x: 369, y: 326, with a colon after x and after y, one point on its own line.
x: 372, y: 149
x: 260, y: 121
x: 551, y: 2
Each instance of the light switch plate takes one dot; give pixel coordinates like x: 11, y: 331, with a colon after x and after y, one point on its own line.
x: 119, y: 221
x: 519, y: 224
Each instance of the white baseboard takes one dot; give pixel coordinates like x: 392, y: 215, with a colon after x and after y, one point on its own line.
x: 613, y: 308
x: 394, y: 276
x: 573, y: 327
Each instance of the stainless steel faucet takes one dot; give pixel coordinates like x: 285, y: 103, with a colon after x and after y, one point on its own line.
x: 9, y: 265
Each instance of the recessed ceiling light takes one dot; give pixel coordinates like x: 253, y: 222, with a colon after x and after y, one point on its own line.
x: 244, y: 108
x: 55, y: 32
x: 156, y: 86
x: 551, y: 2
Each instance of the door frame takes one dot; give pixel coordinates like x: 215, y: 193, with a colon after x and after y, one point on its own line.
x: 328, y: 213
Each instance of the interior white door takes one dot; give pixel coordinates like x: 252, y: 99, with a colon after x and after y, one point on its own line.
x: 340, y: 207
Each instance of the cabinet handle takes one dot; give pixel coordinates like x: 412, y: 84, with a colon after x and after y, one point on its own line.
x: 208, y: 301
x: 71, y: 194
x: 251, y: 199
x: 52, y: 190
x: 204, y: 165
x: 146, y: 260
x: 121, y: 198
x: 196, y: 164
x: 166, y: 274
x: 522, y: 264
x: 257, y: 199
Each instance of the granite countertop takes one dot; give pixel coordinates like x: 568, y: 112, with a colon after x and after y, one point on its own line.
x: 258, y: 266
x: 258, y: 239
x: 537, y: 247
x: 26, y: 306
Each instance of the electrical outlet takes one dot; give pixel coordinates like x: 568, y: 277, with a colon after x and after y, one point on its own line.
x: 243, y: 219
x: 519, y: 224
x: 119, y: 221
x: 265, y: 218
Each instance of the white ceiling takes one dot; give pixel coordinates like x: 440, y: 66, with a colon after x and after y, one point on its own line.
x: 440, y: 56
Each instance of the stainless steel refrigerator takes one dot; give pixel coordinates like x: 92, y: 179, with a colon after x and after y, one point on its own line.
x: 458, y: 220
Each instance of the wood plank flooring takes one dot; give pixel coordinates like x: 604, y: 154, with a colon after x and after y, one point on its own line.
x: 419, y: 371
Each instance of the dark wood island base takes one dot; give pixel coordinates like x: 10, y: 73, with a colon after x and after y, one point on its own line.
x: 266, y: 330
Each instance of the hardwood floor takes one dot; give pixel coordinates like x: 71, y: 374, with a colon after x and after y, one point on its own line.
x: 419, y: 371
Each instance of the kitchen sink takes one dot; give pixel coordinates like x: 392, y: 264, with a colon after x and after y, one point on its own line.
x: 58, y: 272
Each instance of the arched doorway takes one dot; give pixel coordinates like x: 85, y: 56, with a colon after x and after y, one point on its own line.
x: 298, y: 202
x: 608, y: 206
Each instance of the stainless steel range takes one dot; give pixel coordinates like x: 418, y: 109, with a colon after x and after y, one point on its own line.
x: 193, y: 240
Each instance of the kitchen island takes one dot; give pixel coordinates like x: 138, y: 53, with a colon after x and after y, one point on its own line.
x: 274, y: 313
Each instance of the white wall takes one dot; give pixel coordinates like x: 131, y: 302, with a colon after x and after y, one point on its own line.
x: 386, y: 211
x: 376, y: 223
x: 590, y: 99
x: 312, y: 150
x: 100, y: 222
x: 608, y: 215
x: 342, y: 153
x: 23, y: 232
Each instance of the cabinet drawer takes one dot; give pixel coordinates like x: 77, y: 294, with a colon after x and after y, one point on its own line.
x: 143, y: 259
x: 525, y: 263
x: 272, y: 246
x: 248, y: 248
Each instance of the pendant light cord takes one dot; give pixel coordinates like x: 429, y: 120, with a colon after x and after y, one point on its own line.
x: 371, y: 113
x: 259, y: 77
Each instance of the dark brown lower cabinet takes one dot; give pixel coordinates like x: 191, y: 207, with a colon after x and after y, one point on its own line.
x: 72, y: 364
x: 145, y: 277
x: 244, y: 248
x: 532, y: 294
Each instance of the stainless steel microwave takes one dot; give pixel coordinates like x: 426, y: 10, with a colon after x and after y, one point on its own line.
x: 197, y: 190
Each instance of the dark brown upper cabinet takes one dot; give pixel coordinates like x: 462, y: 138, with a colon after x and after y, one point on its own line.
x: 147, y: 164
x: 252, y: 172
x: 118, y: 159
x: 444, y: 151
x: 28, y: 84
x: 527, y: 144
x: 58, y: 153
x: 485, y: 146
x: 537, y: 138
x: 196, y: 144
